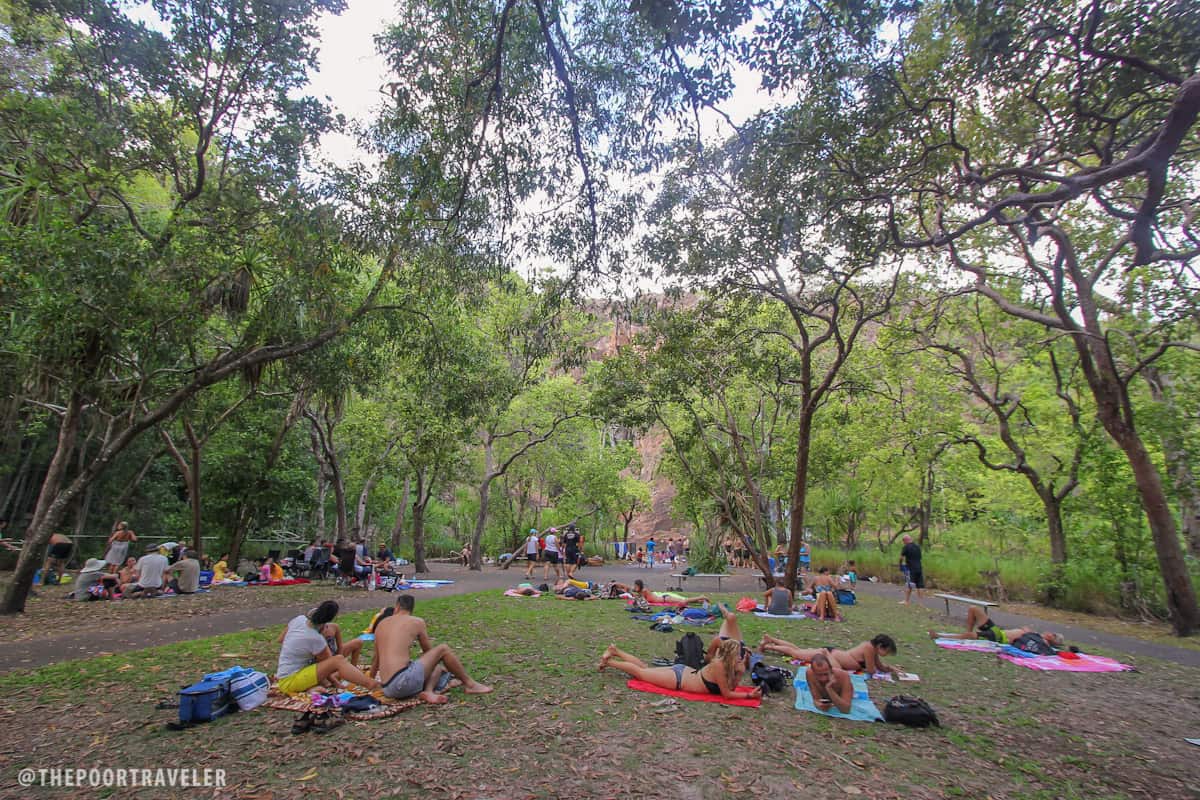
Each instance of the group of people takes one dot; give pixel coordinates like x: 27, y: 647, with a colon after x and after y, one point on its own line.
x: 563, y: 553
x: 312, y: 653
x: 675, y: 551
x: 150, y: 575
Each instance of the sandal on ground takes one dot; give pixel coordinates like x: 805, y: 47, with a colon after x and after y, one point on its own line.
x: 327, y: 722
x: 303, y: 723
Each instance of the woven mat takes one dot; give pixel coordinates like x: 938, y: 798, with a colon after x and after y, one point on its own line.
x: 301, y: 702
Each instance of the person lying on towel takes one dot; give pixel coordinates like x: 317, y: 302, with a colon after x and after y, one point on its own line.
x: 865, y: 657
x: 980, y: 626
x: 666, y: 597
x: 829, y: 685
x: 729, y: 632
x: 718, y: 677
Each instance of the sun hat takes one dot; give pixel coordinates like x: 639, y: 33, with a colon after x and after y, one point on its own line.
x: 94, y: 565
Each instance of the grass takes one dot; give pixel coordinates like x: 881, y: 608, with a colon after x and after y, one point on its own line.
x: 946, y: 570
x: 556, y: 727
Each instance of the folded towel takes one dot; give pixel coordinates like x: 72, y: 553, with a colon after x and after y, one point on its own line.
x: 861, y: 707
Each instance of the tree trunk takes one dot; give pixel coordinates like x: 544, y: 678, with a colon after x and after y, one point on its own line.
x: 339, y: 501
x: 485, y: 486
x: 1187, y: 490
x: 194, y: 485
x: 17, y: 485
x: 360, y: 511
x: 418, y: 520
x: 1054, y: 525
x: 51, y: 505
x: 398, y: 528
x: 322, y: 492
x: 799, y: 496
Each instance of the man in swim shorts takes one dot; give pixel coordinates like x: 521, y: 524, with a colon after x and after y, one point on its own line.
x: 981, y: 626
x: 403, y: 677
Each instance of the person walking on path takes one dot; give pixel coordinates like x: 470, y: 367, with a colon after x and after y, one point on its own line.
x: 531, y: 552
x: 650, y: 552
x: 910, y: 565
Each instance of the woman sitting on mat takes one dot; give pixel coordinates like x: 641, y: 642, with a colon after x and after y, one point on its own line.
x: 866, y: 657
x: 304, y: 657
x: 666, y: 598
x: 719, y: 677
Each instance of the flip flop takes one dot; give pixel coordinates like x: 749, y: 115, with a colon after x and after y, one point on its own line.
x: 303, y: 723
x: 326, y: 723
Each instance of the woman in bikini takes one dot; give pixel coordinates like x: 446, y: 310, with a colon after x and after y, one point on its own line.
x: 118, y: 545
x: 865, y: 657
x: 729, y: 632
x: 666, y: 598
x: 719, y: 677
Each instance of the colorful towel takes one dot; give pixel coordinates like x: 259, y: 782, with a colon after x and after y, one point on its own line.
x: 515, y: 593
x: 283, y: 582
x: 793, y: 615
x: 301, y: 702
x: 703, y: 697
x: 405, y: 585
x: 974, y: 645
x: 1084, y: 663
x: 861, y: 707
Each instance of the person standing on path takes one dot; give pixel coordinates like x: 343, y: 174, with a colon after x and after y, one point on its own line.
x: 910, y: 565
x: 550, y: 555
x: 650, y: 552
x: 531, y: 552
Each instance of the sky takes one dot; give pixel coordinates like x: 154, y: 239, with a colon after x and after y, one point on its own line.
x: 351, y: 70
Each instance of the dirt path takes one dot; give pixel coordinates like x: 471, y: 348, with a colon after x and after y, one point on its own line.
x: 35, y: 653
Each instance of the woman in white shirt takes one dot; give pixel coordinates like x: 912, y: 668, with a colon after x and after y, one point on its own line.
x: 304, y: 657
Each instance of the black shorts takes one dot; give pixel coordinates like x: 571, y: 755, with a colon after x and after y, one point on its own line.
x: 572, y: 557
x: 550, y: 556
x: 59, y: 551
x: 917, y: 578
x: 987, y: 631
x: 531, y: 556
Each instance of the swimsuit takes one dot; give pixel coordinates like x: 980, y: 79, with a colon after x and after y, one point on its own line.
x: 709, y: 685
x: 409, y: 680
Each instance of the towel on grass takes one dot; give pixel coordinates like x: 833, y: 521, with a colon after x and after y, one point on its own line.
x: 420, y: 584
x: 515, y: 593
x: 793, y: 615
x: 301, y: 701
x: 703, y: 697
x: 284, y: 582
x: 861, y: 707
x: 177, y: 594
x: 1084, y: 662
x: 974, y: 645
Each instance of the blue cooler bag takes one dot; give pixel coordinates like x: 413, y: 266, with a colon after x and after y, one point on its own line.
x: 846, y: 597
x: 205, y: 701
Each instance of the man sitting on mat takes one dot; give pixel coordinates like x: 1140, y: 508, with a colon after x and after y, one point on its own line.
x: 779, y: 599
x: 830, y: 686
x: 403, y: 677
x: 980, y: 626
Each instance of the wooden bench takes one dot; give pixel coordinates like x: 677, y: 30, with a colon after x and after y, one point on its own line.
x: 683, y: 576
x: 959, y: 598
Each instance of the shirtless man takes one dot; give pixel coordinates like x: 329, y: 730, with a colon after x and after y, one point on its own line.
x: 830, y: 686
x: 403, y: 677
x: 980, y: 626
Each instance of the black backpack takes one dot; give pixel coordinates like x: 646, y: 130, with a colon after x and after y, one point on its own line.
x: 911, y: 711
x: 690, y: 651
x: 769, y: 678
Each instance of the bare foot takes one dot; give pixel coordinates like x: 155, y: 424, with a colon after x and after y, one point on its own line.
x: 475, y: 687
x: 433, y: 698
x: 933, y: 634
x: 454, y: 683
x: 607, y: 656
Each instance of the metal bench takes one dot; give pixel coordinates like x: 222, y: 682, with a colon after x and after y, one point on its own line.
x: 683, y: 576
x: 959, y: 598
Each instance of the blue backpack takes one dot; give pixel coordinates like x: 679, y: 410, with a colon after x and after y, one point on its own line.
x: 846, y: 597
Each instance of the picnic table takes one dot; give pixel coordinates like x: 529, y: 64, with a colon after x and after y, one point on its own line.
x: 683, y: 576
x: 987, y: 604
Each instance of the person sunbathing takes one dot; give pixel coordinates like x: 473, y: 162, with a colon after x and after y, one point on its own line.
x: 980, y: 626
x: 729, y: 632
x: 865, y: 657
x: 829, y: 684
x: 666, y: 598
x: 719, y: 677
x: 304, y: 657
x: 394, y: 638
x: 568, y: 589
x: 779, y: 599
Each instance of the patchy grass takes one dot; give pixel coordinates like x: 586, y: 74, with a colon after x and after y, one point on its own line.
x: 51, y: 614
x: 555, y: 727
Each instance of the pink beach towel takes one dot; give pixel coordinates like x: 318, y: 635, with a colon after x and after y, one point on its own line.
x: 1084, y: 663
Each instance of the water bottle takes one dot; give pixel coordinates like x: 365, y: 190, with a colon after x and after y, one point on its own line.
x: 371, y: 580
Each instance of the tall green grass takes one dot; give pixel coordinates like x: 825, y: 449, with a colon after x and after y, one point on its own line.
x: 946, y: 570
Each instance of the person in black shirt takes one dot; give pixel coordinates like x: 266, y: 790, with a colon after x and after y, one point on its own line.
x: 910, y: 565
x: 571, y: 542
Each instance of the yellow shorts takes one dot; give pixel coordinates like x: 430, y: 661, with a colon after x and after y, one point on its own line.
x: 299, y: 681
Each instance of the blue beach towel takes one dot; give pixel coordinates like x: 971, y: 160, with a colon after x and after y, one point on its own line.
x: 861, y: 708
